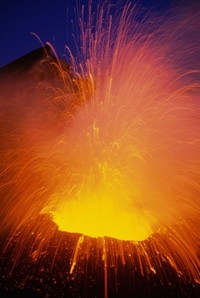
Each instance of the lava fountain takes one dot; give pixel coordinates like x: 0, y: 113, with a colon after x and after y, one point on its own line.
x: 113, y: 150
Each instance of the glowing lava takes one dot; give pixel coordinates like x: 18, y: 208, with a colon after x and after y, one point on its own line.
x: 104, y: 211
x: 127, y: 147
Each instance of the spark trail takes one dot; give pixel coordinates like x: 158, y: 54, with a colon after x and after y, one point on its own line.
x: 113, y: 151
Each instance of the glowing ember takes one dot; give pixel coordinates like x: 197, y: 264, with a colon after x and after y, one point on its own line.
x: 113, y: 151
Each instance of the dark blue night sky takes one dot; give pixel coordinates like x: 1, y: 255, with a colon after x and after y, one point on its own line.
x: 51, y: 21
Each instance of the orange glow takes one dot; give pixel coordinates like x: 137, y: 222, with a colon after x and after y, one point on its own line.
x: 112, y: 150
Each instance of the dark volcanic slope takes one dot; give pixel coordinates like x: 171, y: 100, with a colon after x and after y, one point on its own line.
x: 36, y: 66
x: 25, y: 63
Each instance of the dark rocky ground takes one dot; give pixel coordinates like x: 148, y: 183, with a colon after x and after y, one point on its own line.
x: 45, y: 272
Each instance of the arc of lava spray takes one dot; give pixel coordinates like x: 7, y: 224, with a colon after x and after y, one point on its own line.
x: 116, y: 150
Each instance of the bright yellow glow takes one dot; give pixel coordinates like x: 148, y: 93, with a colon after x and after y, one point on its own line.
x: 103, y: 210
x: 100, y: 214
x: 99, y: 219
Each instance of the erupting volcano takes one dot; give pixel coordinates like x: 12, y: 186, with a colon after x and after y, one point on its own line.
x: 106, y: 152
